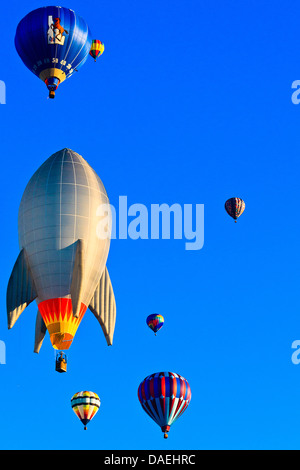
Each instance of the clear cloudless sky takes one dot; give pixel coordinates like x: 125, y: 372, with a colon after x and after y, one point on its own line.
x: 190, y: 104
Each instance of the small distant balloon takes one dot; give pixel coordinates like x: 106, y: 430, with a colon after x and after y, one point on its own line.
x: 235, y: 207
x: 85, y: 405
x: 155, y: 321
x: 97, y: 49
x: 164, y: 396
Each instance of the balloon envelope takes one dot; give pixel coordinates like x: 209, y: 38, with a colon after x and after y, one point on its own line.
x: 164, y: 396
x: 155, y: 322
x: 97, y: 49
x: 235, y: 207
x: 63, y: 253
x: 85, y: 405
x: 53, y: 42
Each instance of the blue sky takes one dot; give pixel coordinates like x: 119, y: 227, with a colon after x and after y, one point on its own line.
x: 189, y: 104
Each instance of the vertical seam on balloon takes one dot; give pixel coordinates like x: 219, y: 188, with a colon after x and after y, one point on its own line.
x: 60, y: 194
x: 160, y: 410
x: 92, y: 172
x: 89, y: 222
x: 56, y: 45
x: 75, y: 220
x: 32, y: 42
x: 182, y: 409
x: 108, y: 301
x: 178, y: 409
x: 112, y: 309
x: 90, y: 293
x: 103, y: 303
x: 146, y: 407
x: 156, y: 415
x: 32, y: 208
x: 86, y: 36
x: 71, y: 42
x: 48, y: 260
x: 173, y: 410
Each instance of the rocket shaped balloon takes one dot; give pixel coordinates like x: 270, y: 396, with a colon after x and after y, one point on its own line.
x: 62, y: 262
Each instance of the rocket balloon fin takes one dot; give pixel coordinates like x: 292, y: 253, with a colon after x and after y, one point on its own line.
x: 40, y: 331
x: 103, y: 306
x: 77, y: 278
x: 21, y: 290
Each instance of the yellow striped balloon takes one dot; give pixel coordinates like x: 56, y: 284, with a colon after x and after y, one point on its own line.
x: 85, y: 405
x: 97, y: 49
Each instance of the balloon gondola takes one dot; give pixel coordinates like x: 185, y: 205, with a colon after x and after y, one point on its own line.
x: 61, y: 362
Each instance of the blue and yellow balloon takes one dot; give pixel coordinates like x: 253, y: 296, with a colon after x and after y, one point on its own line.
x: 53, y: 42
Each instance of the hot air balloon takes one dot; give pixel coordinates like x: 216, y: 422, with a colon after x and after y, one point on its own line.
x: 85, y: 405
x: 63, y: 254
x: 155, y: 322
x: 97, y: 49
x: 61, y: 362
x: 53, y: 42
x: 235, y: 207
x: 164, y: 396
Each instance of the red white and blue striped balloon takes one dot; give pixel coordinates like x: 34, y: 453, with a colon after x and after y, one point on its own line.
x: 164, y: 396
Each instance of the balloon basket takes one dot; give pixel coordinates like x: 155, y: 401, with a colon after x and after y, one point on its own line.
x: 52, y: 94
x: 61, y: 362
x: 165, y: 430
